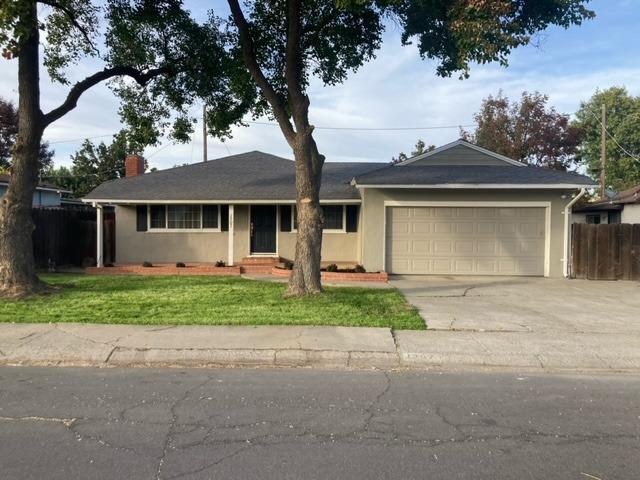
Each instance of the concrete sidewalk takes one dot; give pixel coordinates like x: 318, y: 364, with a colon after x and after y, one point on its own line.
x: 328, y: 347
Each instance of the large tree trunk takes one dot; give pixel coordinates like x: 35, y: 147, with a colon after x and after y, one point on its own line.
x: 305, y: 279
x: 17, y: 266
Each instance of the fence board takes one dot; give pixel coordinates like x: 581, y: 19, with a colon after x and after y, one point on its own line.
x: 605, y: 252
x: 68, y: 237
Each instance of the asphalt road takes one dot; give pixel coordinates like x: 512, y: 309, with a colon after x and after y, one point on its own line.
x: 63, y: 423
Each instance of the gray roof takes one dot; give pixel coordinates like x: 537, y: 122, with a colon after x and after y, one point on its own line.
x: 472, y: 175
x: 247, y: 176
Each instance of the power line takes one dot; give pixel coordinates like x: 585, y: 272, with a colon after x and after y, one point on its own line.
x: 634, y: 156
x: 374, y: 129
x: 71, y: 140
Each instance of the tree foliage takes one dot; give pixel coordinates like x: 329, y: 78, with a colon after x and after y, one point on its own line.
x: 528, y: 130
x: 623, y: 139
x: 8, y: 133
x: 419, y: 148
x: 94, y: 164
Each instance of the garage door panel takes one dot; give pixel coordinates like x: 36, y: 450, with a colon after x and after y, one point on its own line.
x: 466, y: 240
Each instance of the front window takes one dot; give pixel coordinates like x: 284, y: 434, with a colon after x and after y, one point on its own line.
x: 334, y: 218
x: 593, y: 219
x: 184, y: 217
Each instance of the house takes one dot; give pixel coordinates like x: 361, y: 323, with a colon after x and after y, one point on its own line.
x: 624, y: 207
x: 46, y: 194
x: 456, y: 210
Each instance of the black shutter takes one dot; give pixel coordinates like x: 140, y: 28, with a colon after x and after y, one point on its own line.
x: 224, y: 218
x: 141, y: 218
x: 285, y: 218
x: 352, y: 218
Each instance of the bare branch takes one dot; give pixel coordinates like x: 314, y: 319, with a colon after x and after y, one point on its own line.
x: 250, y: 60
x: 74, y: 21
x: 141, y: 77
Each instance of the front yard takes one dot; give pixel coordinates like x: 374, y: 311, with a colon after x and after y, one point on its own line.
x: 207, y: 301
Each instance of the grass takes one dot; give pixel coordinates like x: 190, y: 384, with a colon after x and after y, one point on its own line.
x: 207, y: 301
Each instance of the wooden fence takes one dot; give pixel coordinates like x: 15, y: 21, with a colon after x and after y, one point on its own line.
x: 68, y: 237
x: 605, y: 252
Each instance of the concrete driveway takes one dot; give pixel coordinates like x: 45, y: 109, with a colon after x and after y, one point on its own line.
x: 524, y: 304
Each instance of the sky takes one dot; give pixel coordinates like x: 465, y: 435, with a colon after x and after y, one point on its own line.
x: 396, y: 90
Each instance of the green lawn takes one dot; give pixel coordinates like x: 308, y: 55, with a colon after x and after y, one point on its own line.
x: 207, y: 301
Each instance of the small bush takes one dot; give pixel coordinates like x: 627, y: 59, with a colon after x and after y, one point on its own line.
x: 288, y: 265
x: 180, y: 265
x: 359, y: 269
x: 332, y: 268
x: 147, y: 264
x: 220, y: 263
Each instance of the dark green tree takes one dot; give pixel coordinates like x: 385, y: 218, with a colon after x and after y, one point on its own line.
x: 152, y: 49
x: 94, y: 164
x: 623, y: 139
x: 8, y: 133
x: 285, y: 42
x: 419, y: 148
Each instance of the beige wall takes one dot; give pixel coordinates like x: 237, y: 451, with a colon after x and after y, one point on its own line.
x: 631, y: 213
x: 336, y: 247
x: 165, y: 247
x: 372, y: 213
x: 171, y: 247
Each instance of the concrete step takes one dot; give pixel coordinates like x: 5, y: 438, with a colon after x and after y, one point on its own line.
x: 250, y: 261
x: 256, y: 269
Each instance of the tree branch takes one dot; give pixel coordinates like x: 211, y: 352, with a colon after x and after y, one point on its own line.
x: 251, y: 62
x: 74, y: 21
x: 292, y: 70
x: 141, y: 77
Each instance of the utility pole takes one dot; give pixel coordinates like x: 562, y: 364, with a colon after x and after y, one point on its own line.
x: 204, y: 132
x: 603, y: 152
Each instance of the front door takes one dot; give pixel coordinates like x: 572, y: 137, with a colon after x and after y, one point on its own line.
x: 263, y: 228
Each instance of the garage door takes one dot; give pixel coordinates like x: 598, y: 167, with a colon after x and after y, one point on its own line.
x: 465, y: 241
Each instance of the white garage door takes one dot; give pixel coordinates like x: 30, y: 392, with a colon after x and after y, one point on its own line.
x: 465, y: 240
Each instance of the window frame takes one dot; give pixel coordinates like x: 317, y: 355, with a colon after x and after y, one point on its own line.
x: 324, y: 230
x: 593, y: 216
x: 182, y: 230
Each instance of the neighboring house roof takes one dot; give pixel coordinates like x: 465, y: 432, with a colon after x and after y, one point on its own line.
x: 617, y: 202
x: 472, y: 176
x: 435, y: 153
x: 4, y: 180
x: 247, y: 176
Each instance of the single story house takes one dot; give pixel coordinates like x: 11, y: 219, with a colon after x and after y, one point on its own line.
x: 46, y: 194
x: 624, y: 207
x: 456, y: 210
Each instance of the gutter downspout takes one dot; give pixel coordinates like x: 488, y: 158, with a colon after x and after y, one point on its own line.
x: 567, y: 231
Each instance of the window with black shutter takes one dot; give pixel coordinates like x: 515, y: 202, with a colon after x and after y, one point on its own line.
x: 285, y: 218
x: 352, y: 218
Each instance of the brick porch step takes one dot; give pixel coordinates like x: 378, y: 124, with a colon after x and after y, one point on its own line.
x: 249, y: 261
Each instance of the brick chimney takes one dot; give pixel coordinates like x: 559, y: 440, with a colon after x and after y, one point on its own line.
x: 134, y: 165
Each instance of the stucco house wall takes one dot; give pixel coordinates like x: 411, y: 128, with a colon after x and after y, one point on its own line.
x: 373, y: 217
x: 631, y: 213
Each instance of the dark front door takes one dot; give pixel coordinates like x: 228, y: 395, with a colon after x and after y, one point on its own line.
x: 263, y: 228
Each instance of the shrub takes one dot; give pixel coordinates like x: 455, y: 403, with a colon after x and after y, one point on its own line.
x: 359, y: 269
x: 180, y: 265
x: 332, y: 268
x: 288, y: 265
x: 220, y: 263
x: 147, y: 264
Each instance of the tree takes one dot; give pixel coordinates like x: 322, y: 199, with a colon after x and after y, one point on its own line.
x: 95, y: 164
x: 527, y: 130
x: 623, y: 138
x: 419, y: 148
x: 149, y: 47
x: 8, y: 133
x: 285, y: 42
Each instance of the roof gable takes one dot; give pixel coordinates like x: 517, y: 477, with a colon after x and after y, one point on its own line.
x: 461, y: 152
